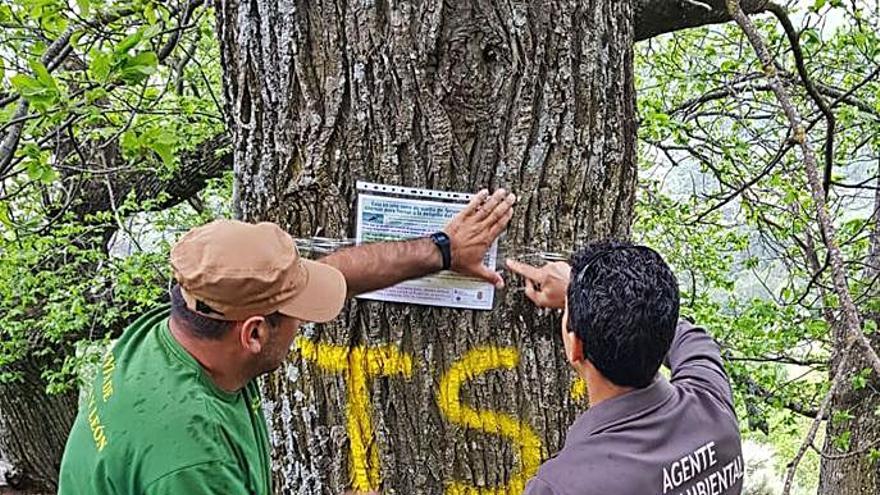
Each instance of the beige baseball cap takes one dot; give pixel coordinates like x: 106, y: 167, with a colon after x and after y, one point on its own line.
x: 231, y: 270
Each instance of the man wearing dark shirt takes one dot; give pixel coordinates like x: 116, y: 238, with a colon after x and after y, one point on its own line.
x: 643, y: 434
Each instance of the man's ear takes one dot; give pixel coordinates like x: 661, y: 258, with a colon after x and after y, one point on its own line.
x: 253, y: 334
x: 574, y: 351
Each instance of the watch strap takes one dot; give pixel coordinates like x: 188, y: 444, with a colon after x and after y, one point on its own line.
x: 441, y: 240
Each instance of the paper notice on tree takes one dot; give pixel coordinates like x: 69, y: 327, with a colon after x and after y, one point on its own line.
x: 391, y: 213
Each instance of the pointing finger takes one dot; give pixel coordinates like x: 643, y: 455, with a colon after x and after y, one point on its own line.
x: 525, y: 270
x: 531, y: 293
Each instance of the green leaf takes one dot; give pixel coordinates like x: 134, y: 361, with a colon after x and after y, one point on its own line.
x: 34, y: 91
x: 95, y: 95
x: 811, y: 36
x: 860, y: 379
x: 48, y: 175
x: 4, y: 215
x: 165, y: 152
x: 100, y: 66
x: 84, y: 7
x: 139, y: 67
x: 42, y: 74
x: 26, y: 84
x: 842, y: 441
x: 38, y: 170
x: 129, y: 141
x: 163, y: 142
x: 728, y: 66
x: 129, y: 42
x: 818, y: 4
x: 152, y: 30
x: 150, y: 13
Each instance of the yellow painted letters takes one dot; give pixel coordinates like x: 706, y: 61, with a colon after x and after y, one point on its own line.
x: 475, y: 362
x: 359, y: 364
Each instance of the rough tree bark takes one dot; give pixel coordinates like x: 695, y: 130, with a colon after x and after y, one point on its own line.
x: 534, y: 96
x: 851, y: 471
x: 35, y: 426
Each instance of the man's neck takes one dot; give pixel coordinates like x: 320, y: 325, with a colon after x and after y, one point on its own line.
x: 213, y: 356
x: 599, y: 389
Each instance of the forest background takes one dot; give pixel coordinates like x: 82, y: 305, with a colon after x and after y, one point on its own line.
x: 117, y: 134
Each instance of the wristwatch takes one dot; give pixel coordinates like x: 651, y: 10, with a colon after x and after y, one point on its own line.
x: 441, y: 240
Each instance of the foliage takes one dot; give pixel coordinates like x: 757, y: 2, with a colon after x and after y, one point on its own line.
x: 722, y: 193
x: 132, y: 90
x: 725, y: 198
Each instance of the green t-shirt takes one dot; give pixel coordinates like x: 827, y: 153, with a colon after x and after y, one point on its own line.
x: 154, y: 423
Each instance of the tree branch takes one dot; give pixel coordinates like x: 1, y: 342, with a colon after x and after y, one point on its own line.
x: 851, y: 319
x: 756, y: 389
x: 656, y: 17
x: 209, y: 160
x: 57, y: 52
x: 10, y: 141
x: 794, y: 39
x: 820, y: 415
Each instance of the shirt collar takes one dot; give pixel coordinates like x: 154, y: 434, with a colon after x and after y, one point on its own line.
x: 620, y: 408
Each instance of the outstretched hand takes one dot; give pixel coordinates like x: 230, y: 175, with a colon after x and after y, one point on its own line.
x: 475, y: 228
x: 546, y: 286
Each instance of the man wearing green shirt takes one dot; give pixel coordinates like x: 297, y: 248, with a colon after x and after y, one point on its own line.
x: 174, y: 408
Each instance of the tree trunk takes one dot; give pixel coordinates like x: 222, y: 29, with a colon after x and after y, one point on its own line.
x: 33, y: 428
x: 849, y: 468
x: 857, y: 409
x: 536, y: 97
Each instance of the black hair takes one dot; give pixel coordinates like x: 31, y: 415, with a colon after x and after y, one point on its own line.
x: 623, y: 304
x: 203, y: 326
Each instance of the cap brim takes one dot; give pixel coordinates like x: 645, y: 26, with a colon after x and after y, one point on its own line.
x: 322, y: 298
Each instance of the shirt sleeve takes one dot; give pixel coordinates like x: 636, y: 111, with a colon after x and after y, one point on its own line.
x: 695, y: 361
x: 537, y: 486
x: 208, y: 478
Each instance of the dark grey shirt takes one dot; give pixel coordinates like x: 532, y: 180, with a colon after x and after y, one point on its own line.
x: 674, y: 437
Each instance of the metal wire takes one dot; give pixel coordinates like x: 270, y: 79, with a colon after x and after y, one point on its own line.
x: 321, y: 246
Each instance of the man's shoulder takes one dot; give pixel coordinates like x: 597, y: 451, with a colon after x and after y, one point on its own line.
x: 181, y: 415
x: 160, y: 422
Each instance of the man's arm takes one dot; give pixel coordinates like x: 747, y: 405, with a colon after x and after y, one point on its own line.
x: 375, y: 266
x: 694, y: 359
x: 206, y: 478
